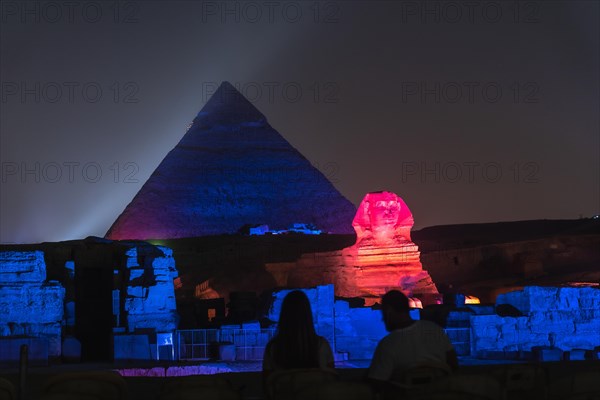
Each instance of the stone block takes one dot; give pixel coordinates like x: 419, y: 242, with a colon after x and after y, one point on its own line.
x: 10, y: 350
x: 485, y: 344
x: 367, y: 323
x: 458, y: 319
x: 568, y: 298
x: 134, y: 305
x: 131, y: 347
x: 231, y: 327
x: 71, y: 349
x: 589, y: 298
x: 415, y: 313
x: 251, y: 325
x: 586, y: 341
x: 227, y: 352
x: 531, y: 340
x: 17, y: 267
x: 486, y: 325
x: 31, y: 303
x: 132, y: 260
x: 135, y: 273
x: 460, y: 339
x: 263, y: 339
x: 538, y: 299
x: 251, y: 339
x: 137, y: 291
x: 161, y: 322
x: 341, y: 308
x: 326, y: 329
x: 486, y: 333
x: 545, y: 353
x: 588, y: 315
x: 510, y: 336
x: 357, y: 330
x: 517, y: 299
x: 557, y: 322
x: 52, y: 332
x: 577, y: 355
x: 357, y: 348
x: 249, y: 353
x: 167, y: 252
x: 588, y: 327
x: 531, y: 298
x: 159, y: 299
x: 541, y: 298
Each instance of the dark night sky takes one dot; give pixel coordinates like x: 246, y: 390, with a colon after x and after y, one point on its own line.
x: 379, y: 102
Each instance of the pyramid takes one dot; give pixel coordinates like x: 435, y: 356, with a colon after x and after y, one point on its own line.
x: 231, y: 168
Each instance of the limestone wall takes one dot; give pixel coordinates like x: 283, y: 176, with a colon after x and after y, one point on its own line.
x: 357, y: 330
x: 30, y: 306
x: 322, y: 303
x: 150, y: 298
x: 353, y: 333
x: 567, y: 318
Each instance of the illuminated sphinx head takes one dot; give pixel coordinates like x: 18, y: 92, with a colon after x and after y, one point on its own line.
x: 384, y: 218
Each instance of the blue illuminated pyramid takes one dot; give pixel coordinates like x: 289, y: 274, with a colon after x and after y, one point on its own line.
x: 230, y: 169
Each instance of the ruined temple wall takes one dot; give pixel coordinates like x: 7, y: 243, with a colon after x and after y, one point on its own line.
x: 150, y: 297
x: 321, y: 299
x: 29, y: 305
x: 566, y: 318
x: 33, y: 307
x: 353, y: 333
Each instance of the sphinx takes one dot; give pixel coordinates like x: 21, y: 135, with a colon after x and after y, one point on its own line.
x: 382, y: 258
x: 382, y: 219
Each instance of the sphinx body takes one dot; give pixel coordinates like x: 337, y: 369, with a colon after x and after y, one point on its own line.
x: 383, y: 257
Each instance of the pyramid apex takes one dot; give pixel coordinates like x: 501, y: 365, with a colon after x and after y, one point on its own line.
x: 227, y: 87
x: 226, y: 83
x: 226, y: 102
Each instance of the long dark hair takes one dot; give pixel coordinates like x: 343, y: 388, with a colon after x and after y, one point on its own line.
x: 296, y: 344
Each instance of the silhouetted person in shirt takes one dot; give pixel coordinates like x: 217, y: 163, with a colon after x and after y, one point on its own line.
x: 409, y: 344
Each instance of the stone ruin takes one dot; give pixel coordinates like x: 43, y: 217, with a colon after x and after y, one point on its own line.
x: 321, y: 300
x: 148, y: 303
x: 383, y: 257
x: 43, y: 313
x: 151, y: 306
x: 31, y: 308
x: 566, y: 319
x: 352, y: 332
x: 555, y: 322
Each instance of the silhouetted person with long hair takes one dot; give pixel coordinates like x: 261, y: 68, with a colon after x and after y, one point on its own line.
x: 296, y: 344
